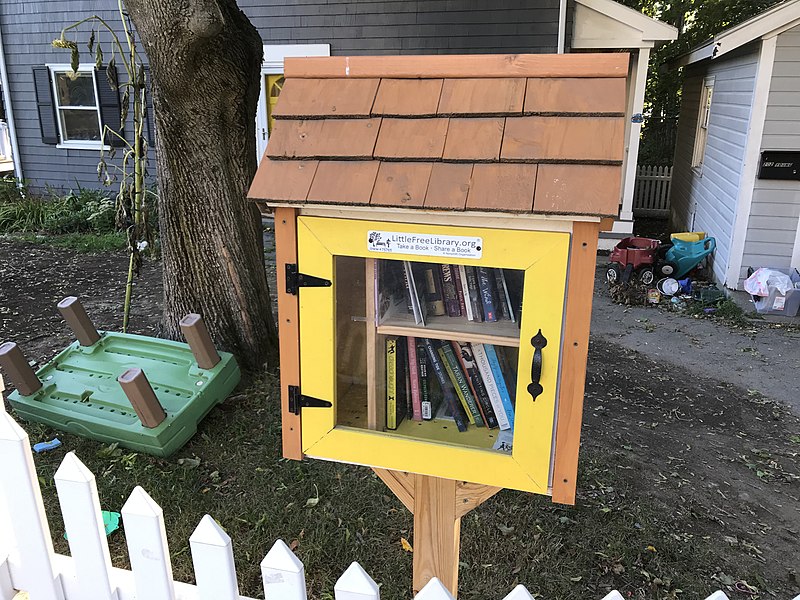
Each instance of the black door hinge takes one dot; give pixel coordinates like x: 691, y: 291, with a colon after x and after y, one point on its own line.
x: 298, y: 401
x: 296, y: 280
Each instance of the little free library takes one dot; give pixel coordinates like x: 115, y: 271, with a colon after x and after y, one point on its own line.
x: 436, y: 222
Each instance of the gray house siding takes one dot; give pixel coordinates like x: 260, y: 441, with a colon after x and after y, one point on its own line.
x: 775, y: 209
x: 705, y: 198
x: 350, y: 27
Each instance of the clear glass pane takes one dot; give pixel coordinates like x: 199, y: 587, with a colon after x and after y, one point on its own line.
x: 428, y: 350
x: 75, y: 92
x: 80, y: 125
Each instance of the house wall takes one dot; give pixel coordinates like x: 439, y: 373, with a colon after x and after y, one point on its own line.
x: 350, y: 27
x: 705, y: 199
x: 775, y: 209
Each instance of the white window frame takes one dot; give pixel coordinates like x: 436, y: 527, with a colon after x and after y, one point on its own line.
x: 76, y: 144
x: 703, y: 119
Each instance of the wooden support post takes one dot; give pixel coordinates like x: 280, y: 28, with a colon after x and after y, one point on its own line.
x: 75, y: 315
x: 13, y: 361
x: 288, y: 329
x: 196, y: 334
x: 142, y: 397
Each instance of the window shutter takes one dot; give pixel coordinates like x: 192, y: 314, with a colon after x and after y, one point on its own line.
x: 110, y: 111
x: 45, y: 104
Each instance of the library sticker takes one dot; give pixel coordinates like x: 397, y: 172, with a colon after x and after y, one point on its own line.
x: 423, y: 244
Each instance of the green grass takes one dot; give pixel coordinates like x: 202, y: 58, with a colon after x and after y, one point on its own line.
x: 333, y: 514
x: 81, y: 242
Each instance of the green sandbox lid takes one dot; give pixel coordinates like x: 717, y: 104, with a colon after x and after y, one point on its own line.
x: 80, y: 393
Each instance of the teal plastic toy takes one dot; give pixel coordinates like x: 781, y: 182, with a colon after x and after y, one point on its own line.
x: 686, y: 255
x: 80, y: 393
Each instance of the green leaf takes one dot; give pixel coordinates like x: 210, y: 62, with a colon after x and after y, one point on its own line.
x: 75, y: 60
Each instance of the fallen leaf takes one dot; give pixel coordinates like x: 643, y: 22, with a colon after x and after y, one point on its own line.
x: 293, y: 545
x: 576, y: 579
x: 651, y: 549
x: 406, y: 546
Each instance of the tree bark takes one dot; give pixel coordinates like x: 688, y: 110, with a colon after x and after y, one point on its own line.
x: 205, y: 63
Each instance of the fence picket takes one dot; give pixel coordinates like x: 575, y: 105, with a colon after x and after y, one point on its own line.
x: 147, y: 546
x: 212, y: 557
x: 434, y: 590
x: 283, y: 574
x: 651, y: 190
x: 19, y: 486
x: 519, y: 593
x: 356, y: 584
x: 6, y: 589
x: 80, y: 505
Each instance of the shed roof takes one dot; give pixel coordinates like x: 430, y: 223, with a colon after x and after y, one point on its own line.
x: 508, y: 133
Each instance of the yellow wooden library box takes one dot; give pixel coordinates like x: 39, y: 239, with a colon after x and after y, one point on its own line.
x: 436, y: 223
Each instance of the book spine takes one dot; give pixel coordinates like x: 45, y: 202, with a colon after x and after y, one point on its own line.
x: 463, y: 292
x: 433, y: 290
x: 464, y: 353
x: 474, y: 295
x: 462, y: 303
x: 426, y: 405
x: 391, y: 383
x: 413, y: 375
x: 502, y: 289
x: 485, y: 370
x: 407, y: 283
x: 500, y: 381
x: 500, y: 298
x: 487, y: 299
x: 450, y: 397
x: 450, y: 292
x: 453, y: 368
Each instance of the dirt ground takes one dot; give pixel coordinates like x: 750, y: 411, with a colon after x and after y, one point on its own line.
x: 699, y: 421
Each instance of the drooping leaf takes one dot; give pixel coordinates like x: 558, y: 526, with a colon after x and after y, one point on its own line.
x: 125, y: 106
x: 90, y: 43
x: 75, y: 59
x: 98, y: 57
x: 111, y: 73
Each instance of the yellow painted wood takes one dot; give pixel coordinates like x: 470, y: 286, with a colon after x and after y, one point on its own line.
x: 274, y: 87
x: 543, y: 257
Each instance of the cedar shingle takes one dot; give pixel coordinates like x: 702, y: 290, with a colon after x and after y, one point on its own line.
x: 411, y: 139
x: 325, y: 138
x: 407, y: 97
x: 502, y: 186
x: 482, y: 96
x: 401, y: 184
x: 326, y: 98
x: 474, y: 139
x: 578, y: 189
x: 563, y: 138
x: 283, y: 180
x: 575, y: 95
x: 449, y: 186
x: 344, y: 182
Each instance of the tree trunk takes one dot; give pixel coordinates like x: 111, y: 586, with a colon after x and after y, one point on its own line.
x: 205, y: 64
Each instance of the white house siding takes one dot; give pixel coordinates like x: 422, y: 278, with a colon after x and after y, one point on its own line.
x: 775, y: 210
x: 705, y: 200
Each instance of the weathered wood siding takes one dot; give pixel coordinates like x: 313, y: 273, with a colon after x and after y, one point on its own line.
x: 775, y: 210
x: 351, y: 27
x: 704, y: 199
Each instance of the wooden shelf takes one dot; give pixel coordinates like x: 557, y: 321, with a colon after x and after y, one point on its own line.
x: 500, y: 333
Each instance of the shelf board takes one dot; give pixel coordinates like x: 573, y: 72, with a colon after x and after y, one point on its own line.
x: 500, y: 333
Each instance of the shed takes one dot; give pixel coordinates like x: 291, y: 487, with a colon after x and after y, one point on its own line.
x: 737, y: 159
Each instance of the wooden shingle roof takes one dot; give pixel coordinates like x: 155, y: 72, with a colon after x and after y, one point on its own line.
x: 510, y: 133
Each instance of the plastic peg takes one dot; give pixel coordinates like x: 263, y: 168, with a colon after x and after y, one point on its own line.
x: 142, y: 397
x: 75, y: 315
x: 23, y: 376
x: 196, y: 334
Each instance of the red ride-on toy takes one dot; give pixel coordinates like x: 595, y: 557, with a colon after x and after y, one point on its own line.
x: 633, y: 254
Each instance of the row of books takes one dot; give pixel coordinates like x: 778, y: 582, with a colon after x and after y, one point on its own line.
x: 480, y: 294
x: 465, y: 382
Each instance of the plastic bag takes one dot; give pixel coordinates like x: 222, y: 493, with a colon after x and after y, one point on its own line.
x: 760, y: 282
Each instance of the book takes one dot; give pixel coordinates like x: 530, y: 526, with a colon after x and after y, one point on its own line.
x: 434, y: 298
x: 500, y: 381
x: 474, y: 294
x: 514, y: 282
x: 504, y: 296
x: 428, y: 403
x: 391, y: 297
x: 414, y: 291
x: 449, y: 290
x: 464, y: 352
x: 448, y: 392
x: 395, y: 383
x: 487, y: 294
x: 507, y: 358
x: 504, y: 419
x: 414, y: 378
x: 462, y: 303
x: 456, y: 374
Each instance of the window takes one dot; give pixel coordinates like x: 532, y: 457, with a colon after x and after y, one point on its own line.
x: 76, y: 105
x: 704, y: 114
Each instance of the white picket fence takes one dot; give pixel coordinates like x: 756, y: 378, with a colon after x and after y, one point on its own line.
x: 651, y: 192
x: 28, y: 561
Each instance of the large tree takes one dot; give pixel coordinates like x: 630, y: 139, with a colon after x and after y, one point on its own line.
x: 205, y: 63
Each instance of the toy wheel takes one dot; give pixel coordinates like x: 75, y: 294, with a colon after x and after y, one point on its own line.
x: 614, y: 273
x: 667, y: 268
x: 646, y: 276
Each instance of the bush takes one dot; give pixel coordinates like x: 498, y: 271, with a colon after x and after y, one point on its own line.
x: 84, y: 211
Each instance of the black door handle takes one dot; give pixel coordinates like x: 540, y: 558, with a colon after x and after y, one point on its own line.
x: 538, y: 342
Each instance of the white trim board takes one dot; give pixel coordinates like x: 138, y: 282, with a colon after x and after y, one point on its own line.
x: 795, y: 264
x: 608, y: 24
x: 747, y: 179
